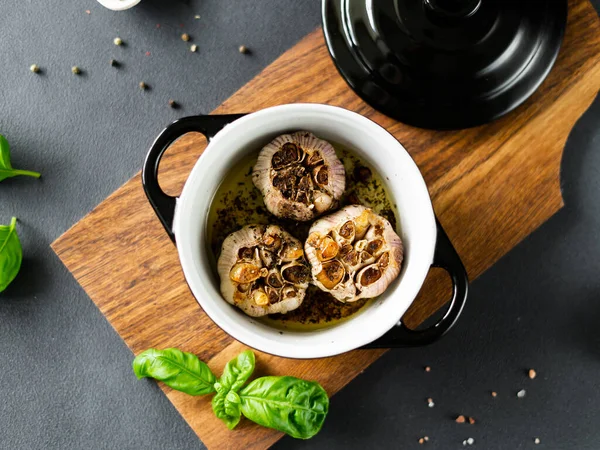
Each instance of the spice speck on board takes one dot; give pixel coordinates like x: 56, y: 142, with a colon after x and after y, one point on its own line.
x: 430, y: 403
x: 427, y: 369
x: 536, y: 441
x: 494, y: 394
x: 197, y: 16
x: 421, y: 441
x: 173, y: 104
x: 243, y: 50
x: 521, y: 393
x: 426, y: 438
x: 143, y: 86
x: 185, y: 37
x: 76, y: 70
x: 460, y: 419
x: 194, y: 48
x: 118, y: 41
x: 471, y: 420
x: 87, y: 11
x: 532, y: 374
x: 114, y: 63
x: 34, y: 68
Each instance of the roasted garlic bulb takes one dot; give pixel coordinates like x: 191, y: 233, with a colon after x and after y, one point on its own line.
x: 299, y: 176
x: 354, y: 253
x: 262, y: 270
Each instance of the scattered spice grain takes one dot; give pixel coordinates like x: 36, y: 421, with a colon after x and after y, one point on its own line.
x: 494, y: 394
x: 143, y: 86
x: 173, y: 104
x: 471, y: 421
x: 536, y: 441
x: 532, y: 374
x: 521, y: 393
x: 430, y: 403
x: 118, y: 41
x: 244, y: 50
x: 460, y: 419
x: 185, y: 37
x: 76, y: 70
x: 427, y: 369
x: 194, y: 48
x: 35, y: 68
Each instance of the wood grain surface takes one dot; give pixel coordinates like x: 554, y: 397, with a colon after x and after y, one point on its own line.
x: 491, y: 186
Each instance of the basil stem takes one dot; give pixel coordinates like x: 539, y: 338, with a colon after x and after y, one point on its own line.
x: 6, y: 169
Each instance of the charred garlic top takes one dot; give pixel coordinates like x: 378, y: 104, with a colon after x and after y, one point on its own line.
x: 354, y: 253
x: 299, y: 175
x: 262, y: 270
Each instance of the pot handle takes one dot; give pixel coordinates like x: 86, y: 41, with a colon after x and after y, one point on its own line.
x: 447, y: 258
x: 163, y: 204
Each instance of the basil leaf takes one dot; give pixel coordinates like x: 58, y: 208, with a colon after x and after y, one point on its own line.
x: 296, y: 407
x: 11, y: 253
x: 179, y: 370
x: 6, y: 169
x: 226, y: 406
x: 236, y: 372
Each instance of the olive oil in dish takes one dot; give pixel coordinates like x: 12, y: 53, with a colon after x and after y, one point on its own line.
x: 238, y: 202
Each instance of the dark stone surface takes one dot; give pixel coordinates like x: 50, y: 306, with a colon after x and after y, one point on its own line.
x: 66, y: 380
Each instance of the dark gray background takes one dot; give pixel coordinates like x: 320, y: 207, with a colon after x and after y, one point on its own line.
x: 66, y: 379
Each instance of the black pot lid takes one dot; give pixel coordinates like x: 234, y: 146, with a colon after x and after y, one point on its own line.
x: 444, y: 64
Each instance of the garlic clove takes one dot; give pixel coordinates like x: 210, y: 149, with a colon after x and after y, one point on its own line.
x: 296, y: 274
x: 244, y: 273
x: 331, y: 274
x: 322, y: 202
x: 328, y: 249
x: 274, y: 279
x: 291, y: 250
x: 369, y: 275
x: 260, y: 297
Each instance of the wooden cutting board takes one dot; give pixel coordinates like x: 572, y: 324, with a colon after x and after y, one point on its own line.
x: 491, y: 186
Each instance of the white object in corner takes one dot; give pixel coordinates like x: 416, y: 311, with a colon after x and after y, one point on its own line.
x: 118, y: 5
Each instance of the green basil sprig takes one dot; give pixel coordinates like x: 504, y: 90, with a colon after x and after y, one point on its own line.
x: 288, y: 404
x: 11, y: 253
x: 6, y: 169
